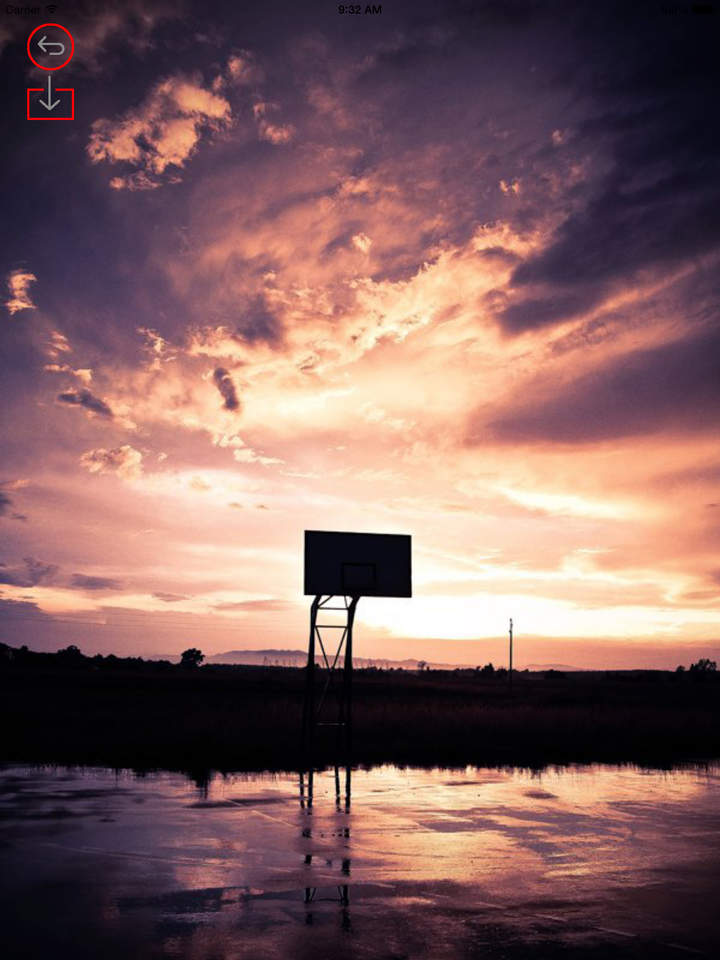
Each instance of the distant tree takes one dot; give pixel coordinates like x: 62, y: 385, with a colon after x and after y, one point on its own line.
x: 703, y: 666
x: 422, y: 665
x: 488, y: 670
x: 191, y: 658
x: 680, y: 669
x: 71, y: 654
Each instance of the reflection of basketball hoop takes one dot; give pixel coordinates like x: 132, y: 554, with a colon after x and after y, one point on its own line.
x: 313, y: 894
x: 342, y: 567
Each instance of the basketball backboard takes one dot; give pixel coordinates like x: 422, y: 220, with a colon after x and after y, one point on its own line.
x: 357, y: 564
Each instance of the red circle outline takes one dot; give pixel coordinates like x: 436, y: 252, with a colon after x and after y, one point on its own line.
x: 72, y: 46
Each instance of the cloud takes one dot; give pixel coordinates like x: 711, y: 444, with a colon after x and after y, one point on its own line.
x: 224, y: 383
x: 362, y: 242
x: 139, y: 181
x: 329, y: 315
x: 258, y: 606
x: 647, y: 200
x: 98, y: 30
x: 696, y: 475
x: 170, y: 597
x: 202, y: 486
x: 510, y: 187
x: 246, y: 455
x: 673, y: 386
x: 83, y: 374
x: 84, y: 398
x: 22, y: 610
x: 30, y: 574
x: 95, y: 29
x: 130, y: 20
x: 83, y: 582
x: 163, y: 132
x: 242, y: 69
x: 277, y: 133
x: 554, y: 307
x: 18, y: 283
x: 156, y: 346
x: 257, y: 320
x: 125, y: 461
x: 6, y: 502
x: 57, y: 344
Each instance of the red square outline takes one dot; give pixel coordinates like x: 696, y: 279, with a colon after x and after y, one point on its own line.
x: 71, y: 90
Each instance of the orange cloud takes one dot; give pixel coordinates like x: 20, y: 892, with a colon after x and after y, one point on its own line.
x: 162, y: 132
x: 18, y: 284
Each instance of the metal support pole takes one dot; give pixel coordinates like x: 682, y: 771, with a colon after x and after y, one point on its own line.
x: 308, y: 720
x: 347, y: 679
x: 511, y: 655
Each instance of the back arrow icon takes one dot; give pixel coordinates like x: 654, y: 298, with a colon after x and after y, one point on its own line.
x: 51, y: 104
x: 44, y: 43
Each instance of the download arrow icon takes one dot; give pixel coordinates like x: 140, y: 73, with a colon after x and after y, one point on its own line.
x: 44, y: 43
x: 50, y: 104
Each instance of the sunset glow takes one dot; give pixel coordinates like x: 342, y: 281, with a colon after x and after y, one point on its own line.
x: 451, y: 274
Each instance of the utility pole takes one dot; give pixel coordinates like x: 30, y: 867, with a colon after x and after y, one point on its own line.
x: 511, y: 652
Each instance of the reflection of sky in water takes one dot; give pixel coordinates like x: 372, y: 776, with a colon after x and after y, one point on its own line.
x: 122, y: 862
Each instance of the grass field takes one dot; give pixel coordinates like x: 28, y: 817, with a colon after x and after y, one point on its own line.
x: 145, y: 716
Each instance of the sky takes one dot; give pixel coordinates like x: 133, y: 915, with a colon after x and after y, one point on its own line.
x: 448, y: 270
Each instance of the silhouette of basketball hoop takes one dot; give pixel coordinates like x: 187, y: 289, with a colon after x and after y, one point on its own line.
x: 339, y: 569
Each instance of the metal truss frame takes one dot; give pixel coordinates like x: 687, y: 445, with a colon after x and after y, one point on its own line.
x: 333, y: 706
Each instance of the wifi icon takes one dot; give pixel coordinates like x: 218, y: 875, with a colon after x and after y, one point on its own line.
x: 51, y: 8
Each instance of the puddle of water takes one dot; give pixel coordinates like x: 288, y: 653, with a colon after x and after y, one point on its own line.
x: 414, y: 863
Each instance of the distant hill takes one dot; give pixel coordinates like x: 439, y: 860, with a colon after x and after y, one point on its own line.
x: 291, y: 658
x: 298, y: 658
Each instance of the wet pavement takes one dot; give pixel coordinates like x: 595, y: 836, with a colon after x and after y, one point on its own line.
x: 383, y: 863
